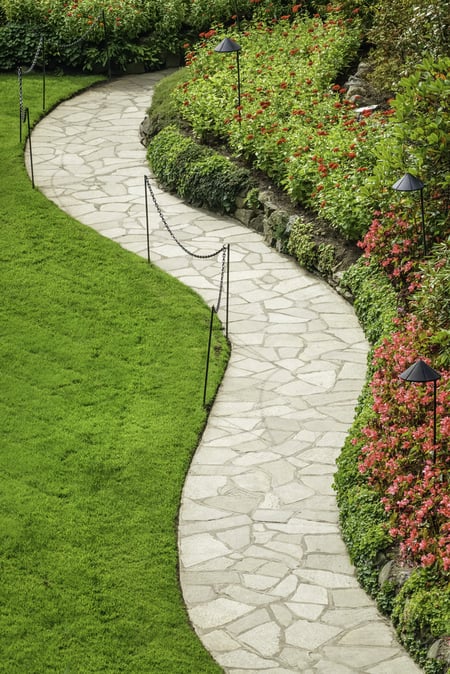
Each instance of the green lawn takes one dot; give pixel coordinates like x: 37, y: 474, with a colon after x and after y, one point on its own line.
x: 102, y: 361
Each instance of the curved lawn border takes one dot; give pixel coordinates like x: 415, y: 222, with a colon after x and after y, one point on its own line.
x: 95, y: 344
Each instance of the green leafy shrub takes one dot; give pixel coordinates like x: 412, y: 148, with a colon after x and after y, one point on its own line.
x: 309, y: 254
x: 375, y: 300
x: 196, y: 173
x: 162, y: 111
x: 18, y: 45
x: 362, y: 517
x: 82, y: 34
x: 404, y: 32
x: 432, y: 299
x: 421, y: 614
x: 203, y: 13
x: 364, y: 531
x: 417, y: 141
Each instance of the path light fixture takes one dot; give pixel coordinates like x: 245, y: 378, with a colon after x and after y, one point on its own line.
x: 226, y: 46
x: 409, y: 183
x: 421, y: 373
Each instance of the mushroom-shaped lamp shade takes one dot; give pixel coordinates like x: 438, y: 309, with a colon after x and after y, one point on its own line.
x: 420, y: 372
x: 408, y: 183
x: 227, y: 45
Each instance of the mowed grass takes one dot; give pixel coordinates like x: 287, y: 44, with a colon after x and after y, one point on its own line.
x: 102, y: 368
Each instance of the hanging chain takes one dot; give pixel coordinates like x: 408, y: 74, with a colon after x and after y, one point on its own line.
x: 19, y: 76
x: 21, y: 73
x: 36, y: 56
x: 222, y: 250
x: 81, y: 39
x: 222, y: 275
x: 161, y: 215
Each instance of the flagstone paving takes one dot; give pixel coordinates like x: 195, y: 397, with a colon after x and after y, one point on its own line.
x: 264, y: 572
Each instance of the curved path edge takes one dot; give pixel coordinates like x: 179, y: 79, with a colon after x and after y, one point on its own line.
x: 265, y: 575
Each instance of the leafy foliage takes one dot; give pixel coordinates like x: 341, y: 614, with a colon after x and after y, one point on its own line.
x: 296, y: 125
x: 405, y: 32
x: 417, y: 141
x: 195, y: 172
x: 421, y: 613
x: 432, y: 299
x: 375, y: 300
x: 84, y: 33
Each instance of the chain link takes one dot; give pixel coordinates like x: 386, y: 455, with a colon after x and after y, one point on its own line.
x: 222, y: 250
x: 21, y: 73
x: 19, y: 76
x: 222, y: 274
x: 81, y: 39
x: 36, y: 56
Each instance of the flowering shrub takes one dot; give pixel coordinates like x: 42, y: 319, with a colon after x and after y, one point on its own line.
x: 395, y: 245
x: 296, y: 125
x: 417, y: 141
x: 294, y: 122
x: 399, y: 457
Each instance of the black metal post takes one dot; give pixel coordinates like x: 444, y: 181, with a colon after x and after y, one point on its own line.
x: 434, y: 416
x: 225, y: 47
x: 27, y: 114
x: 105, y: 31
x: 43, y: 74
x: 228, y: 291
x: 208, y: 355
x: 422, y: 373
x: 238, y: 86
x: 19, y: 77
x: 146, y: 220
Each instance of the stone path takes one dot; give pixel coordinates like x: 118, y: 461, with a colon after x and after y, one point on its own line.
x: 264, y: 572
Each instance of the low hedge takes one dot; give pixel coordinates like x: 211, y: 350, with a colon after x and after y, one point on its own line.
x: 196, y: 173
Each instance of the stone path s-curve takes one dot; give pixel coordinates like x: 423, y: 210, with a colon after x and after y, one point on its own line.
x: 265, y: 575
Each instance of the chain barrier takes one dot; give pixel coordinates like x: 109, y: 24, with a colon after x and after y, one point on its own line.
x: 40, y: 48
x: 21, y: 73
x: 36, y: 56
x: 222, y: 250
x: 81, y: 39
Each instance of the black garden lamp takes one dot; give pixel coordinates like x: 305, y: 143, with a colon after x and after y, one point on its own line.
x: 409, y: 183
x: 226, y: 46
x: 421, y: 373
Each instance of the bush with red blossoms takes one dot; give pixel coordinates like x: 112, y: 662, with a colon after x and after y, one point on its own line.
x: 399, y: 457
x: 397, y: 246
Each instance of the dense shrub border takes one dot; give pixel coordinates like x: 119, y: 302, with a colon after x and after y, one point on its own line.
x: 296, y: 124
x: 196, y: 173
x: 416, y: 599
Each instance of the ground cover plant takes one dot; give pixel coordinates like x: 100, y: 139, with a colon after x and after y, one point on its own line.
x: 98, y: 423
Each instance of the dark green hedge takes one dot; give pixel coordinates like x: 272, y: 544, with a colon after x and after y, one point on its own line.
x: 196, y: 173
